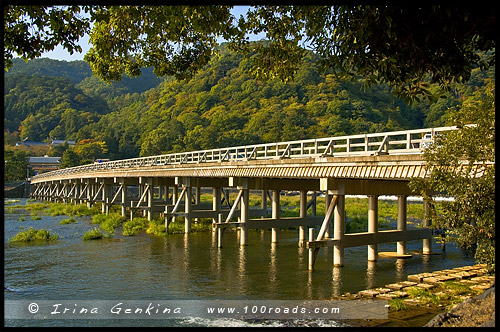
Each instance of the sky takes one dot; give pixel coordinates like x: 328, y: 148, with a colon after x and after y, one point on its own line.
x: 60, y: 54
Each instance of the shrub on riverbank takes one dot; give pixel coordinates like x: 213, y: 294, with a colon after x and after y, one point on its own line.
x: 68, y: 221
x: 132, y: 227
x: 94, y: 234
x: 33, y: 235
x: 62, y: 209
x: 157, y: 227
x: 108, y: 222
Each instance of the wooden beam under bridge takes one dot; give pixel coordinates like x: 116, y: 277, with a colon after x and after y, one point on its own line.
x: 362, y: 239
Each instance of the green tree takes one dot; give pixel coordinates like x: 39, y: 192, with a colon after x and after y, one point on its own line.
x: 16, y: 163
x: 58, y: 150
x: 436, y: 43
x: 461, y: 164
x: 70, y: 159
x: 88, y: 150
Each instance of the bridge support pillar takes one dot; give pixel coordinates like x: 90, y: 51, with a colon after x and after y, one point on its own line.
x: 124, y: 199
x: 244, y: 203
x: 339, y: 230
x: 372, y: 226
x: 216, y: 204
x: 302, y: 214
x: 150, y: 198
x: 275, y: 215
x: 90, y: 193
x: 402, y: 200
x: 187, y: 209
x: 263, y: 203
x: 426, y: 245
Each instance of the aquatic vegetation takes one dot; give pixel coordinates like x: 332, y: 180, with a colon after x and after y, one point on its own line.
x: 132, y: 227
x: 98, y: 218
x: 21, y: 218
x: 397, y: 304
x: 68, y: 221
x: 110, y: 222
x: 33, y: 235
x: 157, y: 227
x: 95, y: 234
x: 11, y: 201
x: 35, y: 206
x: 35, y: 217
x: 62, y: 209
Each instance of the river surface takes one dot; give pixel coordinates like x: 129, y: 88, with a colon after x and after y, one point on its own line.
x: 190, y: 267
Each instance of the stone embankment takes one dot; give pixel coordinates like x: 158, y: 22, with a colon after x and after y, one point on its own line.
x: 423, y: 296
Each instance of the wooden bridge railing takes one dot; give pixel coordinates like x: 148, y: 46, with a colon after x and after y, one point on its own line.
x: 396, y: 142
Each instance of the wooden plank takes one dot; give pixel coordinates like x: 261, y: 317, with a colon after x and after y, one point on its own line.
x: 275, y: 223
x: 362, y: 239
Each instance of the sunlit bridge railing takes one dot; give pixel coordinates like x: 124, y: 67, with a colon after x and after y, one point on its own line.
x: 390, y: 143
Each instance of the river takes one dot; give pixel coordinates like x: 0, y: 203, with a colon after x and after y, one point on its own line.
x: 189, y: 267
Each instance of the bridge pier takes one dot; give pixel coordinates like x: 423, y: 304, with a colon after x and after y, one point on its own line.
x: 275, y: 215
x: 426, y: 245
x: 402, y: 204
x: 372, y: 226
x: 302, y: 214
x: 339, y: 229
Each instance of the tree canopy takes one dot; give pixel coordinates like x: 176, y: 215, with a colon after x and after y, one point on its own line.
x: 405, y: 46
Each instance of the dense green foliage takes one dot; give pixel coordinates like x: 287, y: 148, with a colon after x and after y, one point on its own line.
x: 32, y: 234
x: 437, y: 43
x: 461, y: 164
x: 221, y: 106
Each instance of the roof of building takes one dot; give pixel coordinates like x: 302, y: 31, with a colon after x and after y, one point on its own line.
x: 61, y: 141
x: 28, y: 143
x: 45, y: 160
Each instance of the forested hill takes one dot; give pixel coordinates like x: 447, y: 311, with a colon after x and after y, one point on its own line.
x: 223, y: 105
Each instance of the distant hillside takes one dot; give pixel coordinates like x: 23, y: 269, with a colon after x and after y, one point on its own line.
x: 223, y: 105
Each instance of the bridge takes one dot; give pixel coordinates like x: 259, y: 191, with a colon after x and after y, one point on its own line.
x: 170, y: 186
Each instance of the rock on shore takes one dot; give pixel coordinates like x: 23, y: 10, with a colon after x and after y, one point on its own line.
x: 473, y: 312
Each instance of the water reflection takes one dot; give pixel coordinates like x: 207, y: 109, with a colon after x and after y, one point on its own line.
x: 336, y: 281
x: 370, y: 274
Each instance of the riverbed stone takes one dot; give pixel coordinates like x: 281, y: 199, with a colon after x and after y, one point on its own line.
x: 397, y: 286
x: 481, y: 287
x: 369, y: 293
x: 383, y: 290
x: 426, y: 286
x: 408, y: 283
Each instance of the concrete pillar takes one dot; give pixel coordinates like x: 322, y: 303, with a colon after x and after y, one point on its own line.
x: 426, y: 245
x: 106, y: 191
x: 339, y: 230
x: 372, y: 226
x: 216, y: 202
x: 150, y: 198
x: 275, y: 215
x: 302, y: 214
x: 263, y: 203
x: 76, y: 192
x: 311, y: 250
x: 402, y: 201
x: 90, y: 192
x: 124, y: 199
x: 313, y: 206
x: 175, y: 194
x: 220, y: 230
x: 187, y: 210
x: 245, y: 213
